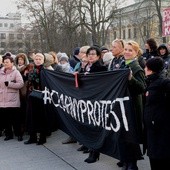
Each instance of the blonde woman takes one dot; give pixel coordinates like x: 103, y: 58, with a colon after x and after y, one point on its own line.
x: 35, y: 122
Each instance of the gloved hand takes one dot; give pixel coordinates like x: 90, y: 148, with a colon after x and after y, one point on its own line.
x: 6, y: 83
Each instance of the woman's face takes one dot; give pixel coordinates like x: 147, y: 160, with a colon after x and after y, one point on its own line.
x: 8, y: 64
x: 20, y: 61
x: 38, y: 60
x: 162, y: 51
x: 92, y: 56
x: 129, y: 52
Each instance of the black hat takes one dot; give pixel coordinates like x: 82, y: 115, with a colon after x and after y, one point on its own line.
x: 76, y: 51
x: 155, y: 64
x: 104, y: 48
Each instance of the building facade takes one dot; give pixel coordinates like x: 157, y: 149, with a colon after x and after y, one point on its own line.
x: 137, y: 22
x: 10, y: 37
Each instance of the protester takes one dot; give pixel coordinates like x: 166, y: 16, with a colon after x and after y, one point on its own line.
x: 49, y: 60
x: 55, y: 61
x: 21, y: 62
x: 10, y: 83
x: 164, y: 54
x: 136, y: 88
x: 64, y: 63
x: 82, y: 54
x: 103, y: 51
x: 75, y: 58
x: 156, y: 115
x: 78, y: 68
x: 117, y: 51
x: 36, y: 120
x: 94, y: 65
x: 150, y: 49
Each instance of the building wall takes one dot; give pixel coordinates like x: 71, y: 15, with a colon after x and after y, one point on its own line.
x: 136, y: 22
x: 10, y: 37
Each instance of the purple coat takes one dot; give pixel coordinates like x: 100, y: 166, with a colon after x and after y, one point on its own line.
x: 9, y: 95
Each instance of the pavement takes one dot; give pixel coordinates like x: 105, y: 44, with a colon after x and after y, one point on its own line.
x: 53, y: 155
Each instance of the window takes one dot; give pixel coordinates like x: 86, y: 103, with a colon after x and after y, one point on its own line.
x: 124, y: 34
x: 11, y: 25
x: 3, y: 44
x: 3, y: 36
x: 134, y: 32
x: 5, y: 25
x: 129, y: 33
x: 11, y: 36
x: 12, y: 44
x: 19, y: 36
x: 0, y: 24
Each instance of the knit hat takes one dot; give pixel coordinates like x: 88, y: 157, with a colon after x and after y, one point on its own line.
x: 76, y: 51
x: 155, y: 64
x: 63, y: 57
x: 49, y: 60
x: 104, y: 49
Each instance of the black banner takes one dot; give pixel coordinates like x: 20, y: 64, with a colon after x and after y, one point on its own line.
x: 97, y: 113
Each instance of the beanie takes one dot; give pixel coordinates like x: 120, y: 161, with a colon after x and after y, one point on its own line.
x: 155, y: 64
x: 76, y: 51
x: 63, y: 57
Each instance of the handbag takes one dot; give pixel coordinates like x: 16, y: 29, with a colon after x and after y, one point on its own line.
x: 36, y: 94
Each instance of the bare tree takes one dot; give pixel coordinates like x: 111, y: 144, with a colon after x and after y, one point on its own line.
x: 97, y: 16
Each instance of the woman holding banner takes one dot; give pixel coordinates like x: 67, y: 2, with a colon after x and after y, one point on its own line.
x: 94, y: 55
x: 136, y: 87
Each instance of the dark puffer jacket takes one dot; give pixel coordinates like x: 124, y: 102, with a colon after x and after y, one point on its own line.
x: 157, y: 117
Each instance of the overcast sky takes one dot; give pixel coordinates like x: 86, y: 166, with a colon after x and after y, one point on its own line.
x: 7, y: 6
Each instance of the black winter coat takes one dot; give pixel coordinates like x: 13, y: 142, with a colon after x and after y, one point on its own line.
x: 157, y: 117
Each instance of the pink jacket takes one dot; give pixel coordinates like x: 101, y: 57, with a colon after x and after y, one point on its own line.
x: 9, y: 95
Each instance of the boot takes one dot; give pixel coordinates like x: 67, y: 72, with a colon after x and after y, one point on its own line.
x: 120, y: 164
x: 32, y: 139
x: 130, y: 166
x: 69, y: 140
x: 20, y: 138
x: 8, y: 137
x: 82, y: 148
x: 42, y: 139
x: 93, y: 156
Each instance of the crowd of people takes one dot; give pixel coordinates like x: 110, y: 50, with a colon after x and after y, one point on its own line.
x: 148, y: 85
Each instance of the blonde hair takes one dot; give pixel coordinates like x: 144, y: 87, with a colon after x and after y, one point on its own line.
x: 136, y: 47
x: 120, y: 42
x: 54, y: 54
x: 39, y: 55
x: 84, y: 48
